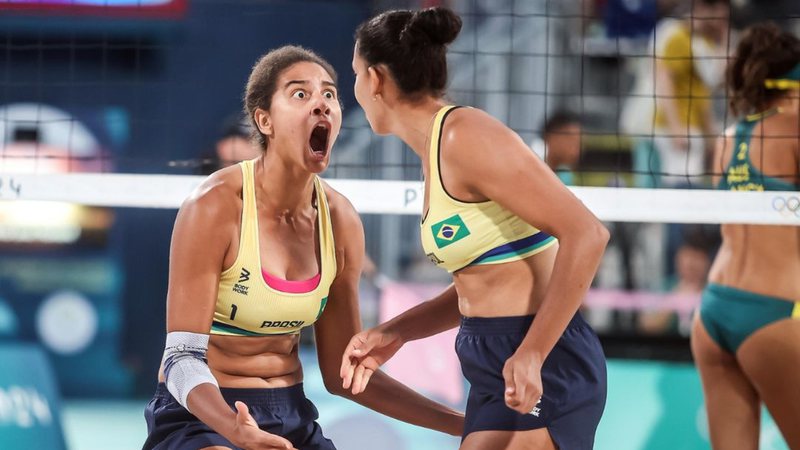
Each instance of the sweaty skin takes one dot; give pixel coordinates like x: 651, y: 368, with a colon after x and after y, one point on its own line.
x: 762, y: 258
x: 206, y: 242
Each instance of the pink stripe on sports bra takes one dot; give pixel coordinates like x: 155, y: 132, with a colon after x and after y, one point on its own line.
x: 289, y: 286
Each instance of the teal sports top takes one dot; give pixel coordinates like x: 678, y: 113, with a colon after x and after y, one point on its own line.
x: 741, y: 174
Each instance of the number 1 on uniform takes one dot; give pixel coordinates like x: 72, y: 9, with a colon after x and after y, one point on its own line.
x: 233, y: 311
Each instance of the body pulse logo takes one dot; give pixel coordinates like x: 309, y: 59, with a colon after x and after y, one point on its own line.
x: 240, y: 288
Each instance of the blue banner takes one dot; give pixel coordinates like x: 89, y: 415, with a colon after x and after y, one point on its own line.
x: 29, y: 400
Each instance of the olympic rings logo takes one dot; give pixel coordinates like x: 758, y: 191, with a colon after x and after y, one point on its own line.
x: 787, y: 206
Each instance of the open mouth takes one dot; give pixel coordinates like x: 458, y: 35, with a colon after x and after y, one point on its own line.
x: 319, y: 140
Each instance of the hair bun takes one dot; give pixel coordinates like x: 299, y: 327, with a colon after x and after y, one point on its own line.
x: 438, y: 26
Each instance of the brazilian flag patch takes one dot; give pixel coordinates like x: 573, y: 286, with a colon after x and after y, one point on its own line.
x: 449, y: 230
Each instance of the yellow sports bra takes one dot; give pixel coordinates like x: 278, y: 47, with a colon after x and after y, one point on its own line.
x: 246, y: 304
x: 456, y: 234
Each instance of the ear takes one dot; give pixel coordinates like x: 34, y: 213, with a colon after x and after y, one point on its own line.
x: 264, y: 121
x: 377, y: 78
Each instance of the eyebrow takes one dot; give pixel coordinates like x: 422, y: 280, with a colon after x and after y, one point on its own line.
x: 291, y: 82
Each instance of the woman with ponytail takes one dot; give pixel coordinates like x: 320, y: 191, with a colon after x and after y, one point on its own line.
x: 261, y: 250
x: 521, y: 248
x: 746, y: 337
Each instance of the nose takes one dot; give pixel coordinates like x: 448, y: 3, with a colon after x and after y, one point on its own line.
x: 321, y: 108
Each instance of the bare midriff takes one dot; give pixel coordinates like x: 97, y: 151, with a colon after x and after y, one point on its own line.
x: 763, y: 259
x: 253, y: 362
x: 510, y: 289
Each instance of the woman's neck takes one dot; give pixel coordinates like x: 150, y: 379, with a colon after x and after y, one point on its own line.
x: 412, y: 123
x: 287, y: 190
x: 790, y: 101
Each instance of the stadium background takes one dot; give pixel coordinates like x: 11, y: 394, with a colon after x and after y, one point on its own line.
x: 103, y: 87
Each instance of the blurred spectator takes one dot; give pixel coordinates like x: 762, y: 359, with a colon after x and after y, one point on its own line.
x: 670, y: 119
x: 630, y: 19
x: 560, y: 144
x: 692, y: 262
x: 432, y: 3
x: 232, y: 146
x: 690, y: 63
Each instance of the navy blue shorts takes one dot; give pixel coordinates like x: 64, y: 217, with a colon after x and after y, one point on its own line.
x: 282, y: 411
x: 573, y: 376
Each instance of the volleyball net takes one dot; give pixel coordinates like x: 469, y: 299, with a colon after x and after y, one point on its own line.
x: 406, y: 197
x: 111, y: 114
x: 106, y: 87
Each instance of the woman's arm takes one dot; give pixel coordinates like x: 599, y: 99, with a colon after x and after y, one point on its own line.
x: 485, y: 157
x: 426, y: 319
x: 200, y: 240
x: 370, y: 349
x: 341, y: 321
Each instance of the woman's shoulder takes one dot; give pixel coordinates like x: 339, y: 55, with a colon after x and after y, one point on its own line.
x: 469, y: 127
x: 468, y: 120
x: 466, y: 112
x: 217, y: 193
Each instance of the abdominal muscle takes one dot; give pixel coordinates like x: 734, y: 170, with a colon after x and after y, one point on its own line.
x: 510, y: 289
x: 253, y: 362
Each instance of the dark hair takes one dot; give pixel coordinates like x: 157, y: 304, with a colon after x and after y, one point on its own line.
x: 701, y: 237
x: 711, y: 2
x: 263, y: 80
x: 764, y: 52
x: 413, y: 45
x: 236, y: 125
x: 557, y: 120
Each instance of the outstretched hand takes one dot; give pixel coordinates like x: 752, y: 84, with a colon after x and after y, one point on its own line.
x: 249, y: 436
x: 364, y: 354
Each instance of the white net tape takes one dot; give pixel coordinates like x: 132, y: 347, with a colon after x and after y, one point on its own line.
x: 405, y: 197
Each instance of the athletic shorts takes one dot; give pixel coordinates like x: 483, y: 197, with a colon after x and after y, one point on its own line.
x: 285, y: 412
x: 573, y: 377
